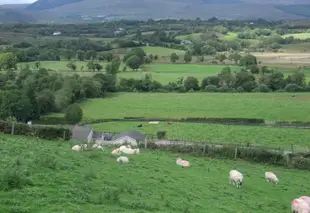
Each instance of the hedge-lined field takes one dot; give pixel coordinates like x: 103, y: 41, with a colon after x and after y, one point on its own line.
x: 219, y: 134
x: 48, y: 176
x: 271, y: 106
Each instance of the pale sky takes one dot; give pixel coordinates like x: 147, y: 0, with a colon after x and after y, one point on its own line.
x: 16, y: 1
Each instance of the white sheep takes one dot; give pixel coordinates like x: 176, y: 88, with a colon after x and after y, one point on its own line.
x: 306, y: 199
x: 183, y: 163
x: 300, y: 206
x: 96, y: 146
x: 271, y: 177
x: 79, y: 148
x: 122, y: 159
x: 116, y: 152
x: 235, y: 177
x: 129, y: 151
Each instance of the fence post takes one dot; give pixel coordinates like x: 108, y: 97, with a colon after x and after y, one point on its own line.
x: 145, y: 144
x: 13, y: 127
x: 292, y: 147
x: 204, y: 149
x: 64, y: 135
x: 236, y: 152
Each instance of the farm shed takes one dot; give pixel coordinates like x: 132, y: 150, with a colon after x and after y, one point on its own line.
x: 82, y: 133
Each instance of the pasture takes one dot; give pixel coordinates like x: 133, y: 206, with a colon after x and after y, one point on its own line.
x: 270, y: 106
x: 50, y: 177
x: 218, y: 134
x: 301, y: 36
x: 161, y: 51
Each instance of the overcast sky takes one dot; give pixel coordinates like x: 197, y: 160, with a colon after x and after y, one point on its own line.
x: 16, y: 1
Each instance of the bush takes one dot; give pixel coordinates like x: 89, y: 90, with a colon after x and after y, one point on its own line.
x: 261, y: 88
x: 292, y: 88
x: 74, y: 114
x: 226, y: 89
x: 161, y: 134
x: 301, y: 163
x: 211, y: 88
x: 240, y: 89
x: 45, y: 132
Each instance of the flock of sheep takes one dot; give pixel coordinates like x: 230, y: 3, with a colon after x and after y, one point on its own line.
x: 299, y: 205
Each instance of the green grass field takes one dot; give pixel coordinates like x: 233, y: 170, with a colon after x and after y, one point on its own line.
x: 270, y: 106
x: 218, y: 134
x: 192, y: 36
x: 162, y: 72
x: 50, y: 177
x: 162, y: 51
x: 301, y: 36
x: 229, y: 36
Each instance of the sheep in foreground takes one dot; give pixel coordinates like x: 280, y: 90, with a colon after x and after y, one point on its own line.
x: 306, y: 199
x: 129, y: 151
x: 183, y: 163
x: 236, y: 178
x: 79, y: 148
x: 300, y: 206
x: 116, y: 152
x: 96, y: 146
x: 271, y: 177
x: 122, y: 159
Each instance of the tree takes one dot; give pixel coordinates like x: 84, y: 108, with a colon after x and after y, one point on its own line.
x: 74, y: 114
x: 136, y: 52
x: 191, y: 83
x: 221, y: 57
x: 113, y: 67
x: 248, y: 60
x: 80, y: 55
x: 235, y: 57
x: 8, y: 61
x: 174, y: 57
x: 208, y: 50
x: 187, y: 57
x: 71, y: 66
x: 226, y: 77
x: 210, y: 80
x: 134, y: 62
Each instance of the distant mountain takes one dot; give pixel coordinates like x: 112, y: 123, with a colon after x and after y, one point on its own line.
x: 97, y: 10
x: 11, y: 15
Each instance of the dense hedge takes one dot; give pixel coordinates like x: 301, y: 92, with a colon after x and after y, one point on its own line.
x: 45, y: 132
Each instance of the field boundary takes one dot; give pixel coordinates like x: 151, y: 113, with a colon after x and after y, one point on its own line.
x: 256, y: 154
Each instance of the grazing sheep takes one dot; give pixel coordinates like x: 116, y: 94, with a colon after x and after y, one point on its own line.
x: 123, y: 147
x: 236, y: 177
x: 116, y: 152
x: 76, y: 148
x: 271, y: 177
x: 122, y: 159
x: 300, y: 206
x: 79, y: 148
x: 306, y: 199
x: 96, y: 146
x: 129, y: 151
x: 154, y: 122
x: 183, y: 163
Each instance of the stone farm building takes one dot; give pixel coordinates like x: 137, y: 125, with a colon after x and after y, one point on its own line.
x: 85, y: 134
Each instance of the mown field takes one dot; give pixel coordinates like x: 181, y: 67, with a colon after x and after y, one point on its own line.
x: 219, y: 134
x: 162, y: 72
x: 49, y: 177
x: 270, y: 106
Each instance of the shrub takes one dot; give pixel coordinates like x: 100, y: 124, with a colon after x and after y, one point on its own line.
x: 211, y: 88
x: 161, y: 134
x: 45, y: 132
x: 301, y: 163
x: 292, y: 88
x: 240, y: 89
x: 74, y: 114
x: 261, y: 88
x: 226, y: 89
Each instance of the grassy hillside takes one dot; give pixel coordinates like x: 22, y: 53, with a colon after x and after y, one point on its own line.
x: 301, y: 36
x: 270, y: 106
x: 49, y: 177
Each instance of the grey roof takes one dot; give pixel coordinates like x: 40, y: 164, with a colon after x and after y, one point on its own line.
x: 97, y: 135
x: 133, y: 134
x: 80, y: 133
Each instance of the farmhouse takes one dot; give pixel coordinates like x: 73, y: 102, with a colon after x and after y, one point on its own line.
x: 56, y: 33
x: 82, y: 133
